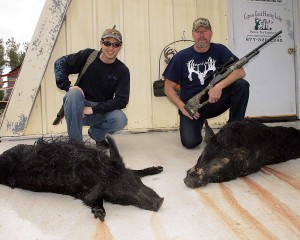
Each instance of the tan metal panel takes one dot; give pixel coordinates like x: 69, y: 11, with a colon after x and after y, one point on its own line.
x: 137, y: 52
x: 35, y: 126
x: 54, y: 96
x: 79, y: 26
x: 161, y: 28
x: 147, y: 27
x: 215, y: 11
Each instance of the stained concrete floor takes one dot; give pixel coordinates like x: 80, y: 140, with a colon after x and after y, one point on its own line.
x: 264, y: 205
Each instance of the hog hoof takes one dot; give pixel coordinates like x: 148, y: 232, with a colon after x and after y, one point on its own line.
x: 99, y: 213
x: 158, y: 169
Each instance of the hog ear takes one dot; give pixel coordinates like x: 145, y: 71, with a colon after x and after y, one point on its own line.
x: 209, y: 133
x: 114, y: 152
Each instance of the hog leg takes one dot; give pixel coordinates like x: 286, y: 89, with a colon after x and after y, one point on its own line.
x: 88, y: 178
x: 148, y: 171
x: 99, y: 211
x: 95, y: 201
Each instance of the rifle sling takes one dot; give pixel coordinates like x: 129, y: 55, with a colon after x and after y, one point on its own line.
x: 90, y: 59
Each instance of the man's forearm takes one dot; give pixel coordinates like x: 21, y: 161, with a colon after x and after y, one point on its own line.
x: 173, y: 97
x: 231, y: 78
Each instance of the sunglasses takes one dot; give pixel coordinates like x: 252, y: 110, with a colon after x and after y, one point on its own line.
x: 114, y: 44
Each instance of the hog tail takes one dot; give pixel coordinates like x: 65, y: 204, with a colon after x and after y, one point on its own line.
x: 114, y: 152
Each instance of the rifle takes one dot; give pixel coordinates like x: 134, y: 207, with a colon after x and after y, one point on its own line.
x: 201, y: 98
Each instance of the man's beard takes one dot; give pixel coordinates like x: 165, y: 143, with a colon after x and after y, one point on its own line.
x: 204, y: 44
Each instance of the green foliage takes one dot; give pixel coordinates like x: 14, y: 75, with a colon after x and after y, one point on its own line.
x: 2, y: 53
x: 11, y: 55
x: 14, y: 54
x: 2, y: 95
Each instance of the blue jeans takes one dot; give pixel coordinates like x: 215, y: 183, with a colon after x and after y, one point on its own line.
x: 234, y: 97
x: 100, y: 124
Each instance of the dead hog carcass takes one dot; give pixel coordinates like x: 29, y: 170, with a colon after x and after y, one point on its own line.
x: 241, y: 148
x: 79, y: 170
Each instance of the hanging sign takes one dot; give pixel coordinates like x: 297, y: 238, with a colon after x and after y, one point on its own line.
x: 259, y: 24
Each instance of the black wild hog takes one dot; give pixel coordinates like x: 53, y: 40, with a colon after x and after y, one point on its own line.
x: 82, y: 171
x: 241, y: 148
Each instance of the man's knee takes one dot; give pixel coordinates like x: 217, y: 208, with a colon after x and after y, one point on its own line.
x: 241, y: 85
x: 191, y: 143
x: 122, y: 120
x: 118, y: 118
x: 73, y: 95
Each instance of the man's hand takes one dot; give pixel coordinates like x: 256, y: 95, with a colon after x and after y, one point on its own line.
x: 87, y: 111
x: 214, y: 94
x: 184, y: 112
x: 170, y: 90
x: 196, y: 115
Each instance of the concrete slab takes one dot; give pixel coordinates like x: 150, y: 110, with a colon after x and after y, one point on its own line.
x: 264, y: 205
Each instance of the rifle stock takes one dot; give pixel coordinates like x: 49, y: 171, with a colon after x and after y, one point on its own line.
x: 195, y: 103
x: 60, y: 115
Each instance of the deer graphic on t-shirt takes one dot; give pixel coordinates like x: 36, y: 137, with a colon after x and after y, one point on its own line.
x: 210, y: 65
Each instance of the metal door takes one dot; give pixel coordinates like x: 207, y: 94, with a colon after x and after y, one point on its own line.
x: 271, y: 74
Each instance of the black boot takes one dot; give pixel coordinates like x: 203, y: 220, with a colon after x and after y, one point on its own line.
x: 102, y: 144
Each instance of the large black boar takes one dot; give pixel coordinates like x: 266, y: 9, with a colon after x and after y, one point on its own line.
x: 241, y: 148
x: 82, y: 171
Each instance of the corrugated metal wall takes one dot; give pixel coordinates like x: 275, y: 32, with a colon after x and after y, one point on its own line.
x: 147, y: 27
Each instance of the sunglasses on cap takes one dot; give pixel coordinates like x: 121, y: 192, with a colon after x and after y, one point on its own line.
x: 114, y: 44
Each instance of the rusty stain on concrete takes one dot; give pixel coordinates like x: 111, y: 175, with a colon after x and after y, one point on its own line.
x: 158, y: 228
x: 233, y: 225
x: 103, y: 232
x: 256, y: 225
x: 283, y: 177
x: 278, y: 208
x: 264, y: 205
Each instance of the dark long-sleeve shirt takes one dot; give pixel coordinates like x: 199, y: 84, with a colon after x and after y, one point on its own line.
x: 107, y: 84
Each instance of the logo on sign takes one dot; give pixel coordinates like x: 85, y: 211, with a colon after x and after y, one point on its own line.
x: 261, y: 24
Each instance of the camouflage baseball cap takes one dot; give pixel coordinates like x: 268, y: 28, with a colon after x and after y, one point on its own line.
x: 113, y: 33
x: 201, y: 22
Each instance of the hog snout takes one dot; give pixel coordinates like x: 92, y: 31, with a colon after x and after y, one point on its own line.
x: 194, y: 182
x: 195, y: 177
x: 188, y: 183
x: 191, y: 183
x: 153, y: 204
x: 149, y: 200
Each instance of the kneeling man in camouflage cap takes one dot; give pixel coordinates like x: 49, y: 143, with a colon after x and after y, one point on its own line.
x: 189, y: 68
x: 102, y: 91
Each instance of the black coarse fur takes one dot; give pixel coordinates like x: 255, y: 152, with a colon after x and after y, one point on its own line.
x: 241, y: 148
x: 79, y: 170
